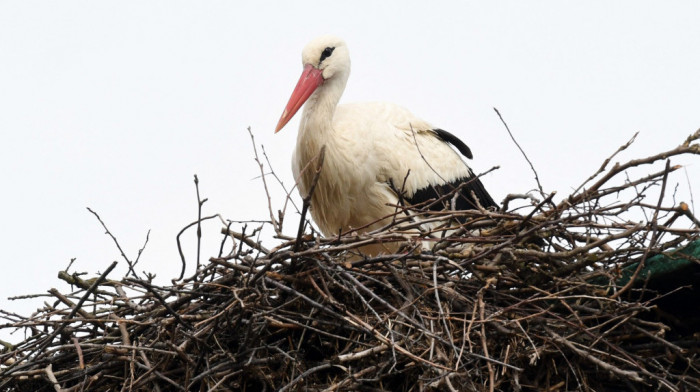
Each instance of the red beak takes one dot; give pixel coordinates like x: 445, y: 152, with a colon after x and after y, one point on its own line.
x: 309, y: 81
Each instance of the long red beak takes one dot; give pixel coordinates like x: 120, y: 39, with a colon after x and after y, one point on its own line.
x: 309, y: 81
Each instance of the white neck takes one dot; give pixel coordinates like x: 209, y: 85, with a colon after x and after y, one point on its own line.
x: 317, y: 117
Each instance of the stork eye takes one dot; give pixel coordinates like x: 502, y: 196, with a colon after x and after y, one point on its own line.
x: 326, y: 53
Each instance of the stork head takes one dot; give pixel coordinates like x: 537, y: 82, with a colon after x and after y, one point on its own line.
x: 324, y: 58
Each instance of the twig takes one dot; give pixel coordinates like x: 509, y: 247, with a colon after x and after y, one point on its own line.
x: 607, y: 161
x: 200, y: 202
x: 275, y: 224
x: 628, y: 374
x: 128, y: 262
x: 52, y: 378
x: 179, y: 245
x: 79, y: 351
x: 652, y: 241
x: 305, y: 374
x: 537, y: 179
x: 307, y: 199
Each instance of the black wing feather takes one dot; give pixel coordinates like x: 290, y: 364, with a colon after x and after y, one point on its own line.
x: 466, y: 185
x: 453, y: 140
x: 465, y: 200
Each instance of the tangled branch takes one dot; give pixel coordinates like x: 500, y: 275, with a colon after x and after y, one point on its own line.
x: 565, y: 296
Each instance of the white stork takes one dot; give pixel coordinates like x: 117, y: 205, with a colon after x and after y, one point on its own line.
x: 372, y: 150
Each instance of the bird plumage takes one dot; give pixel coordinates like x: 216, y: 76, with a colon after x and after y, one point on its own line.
x: 372, y: 150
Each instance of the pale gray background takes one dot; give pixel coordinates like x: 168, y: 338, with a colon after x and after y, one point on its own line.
x: 115, y: 105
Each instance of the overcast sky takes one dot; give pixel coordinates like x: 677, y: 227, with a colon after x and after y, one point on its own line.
x: 116, y: 105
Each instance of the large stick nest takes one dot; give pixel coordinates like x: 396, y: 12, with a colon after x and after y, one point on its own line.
x: 567, y: 296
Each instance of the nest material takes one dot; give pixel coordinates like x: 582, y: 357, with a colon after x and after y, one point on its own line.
x: 570, y: 296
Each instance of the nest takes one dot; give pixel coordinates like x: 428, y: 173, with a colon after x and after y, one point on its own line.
x: 563, y: 296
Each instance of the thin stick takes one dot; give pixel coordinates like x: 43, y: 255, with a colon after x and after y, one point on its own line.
x: 128, y: 262
x: 200, y: 203
x: 275, y: 224
x: 307, y: 199
x: 537, y: 179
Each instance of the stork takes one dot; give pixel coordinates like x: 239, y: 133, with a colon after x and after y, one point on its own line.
x: 376, y: 154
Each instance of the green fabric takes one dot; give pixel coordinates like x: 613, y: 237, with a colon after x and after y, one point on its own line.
x: 663, y: 264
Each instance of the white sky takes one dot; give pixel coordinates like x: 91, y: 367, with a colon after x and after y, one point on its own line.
x: 115, y: 105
